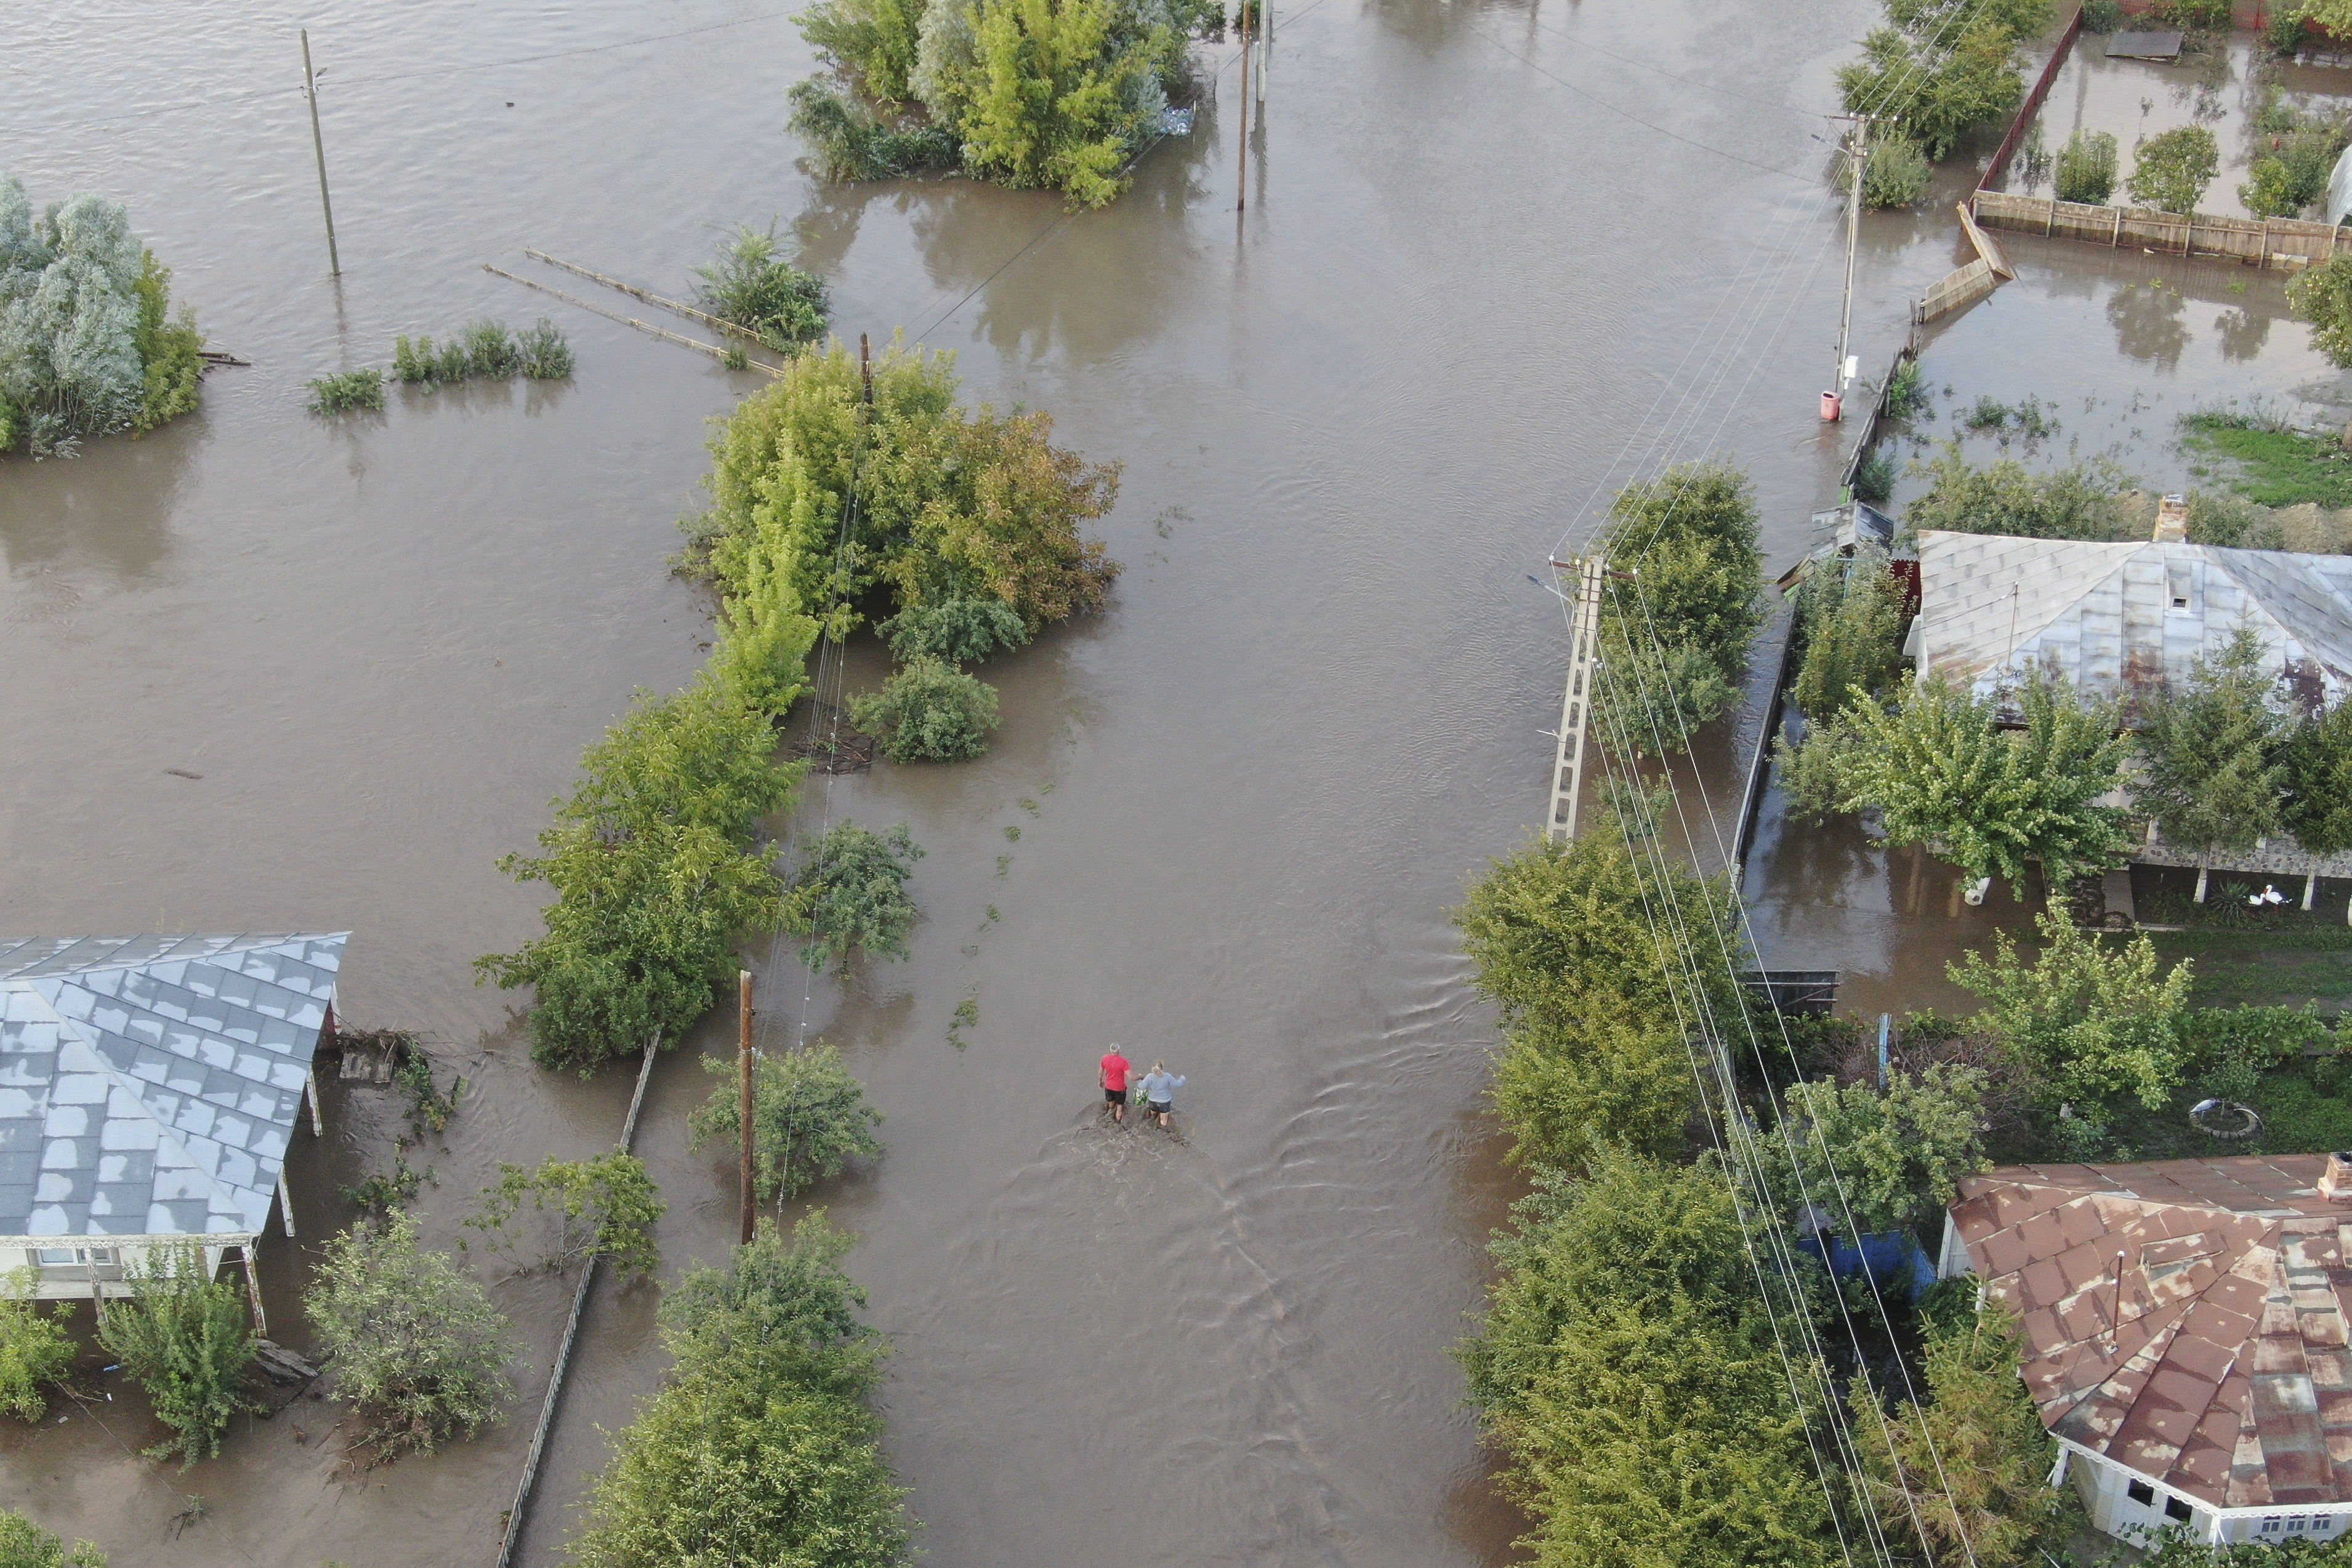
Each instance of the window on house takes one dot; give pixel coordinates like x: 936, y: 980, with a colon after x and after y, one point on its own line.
x: 2141, y: 1493
x: 2294, y: 1525
x: 2177, y: 586
x: 65, y: 1256
x: 2270, y: 1525
x: 2174, y: 1508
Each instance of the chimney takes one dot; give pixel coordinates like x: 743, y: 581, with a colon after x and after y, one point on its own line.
x: 2172, y: 521
x: 2336, y: 1181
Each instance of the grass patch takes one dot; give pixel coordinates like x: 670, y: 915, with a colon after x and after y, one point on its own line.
x: 330, y: 395
x: 2264, y: 971
x: 2305, y: 1107
x: 2276, y: 467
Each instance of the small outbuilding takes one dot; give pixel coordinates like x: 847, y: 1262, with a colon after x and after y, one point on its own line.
x: 2186, y: 1333
x: 149, y: 1087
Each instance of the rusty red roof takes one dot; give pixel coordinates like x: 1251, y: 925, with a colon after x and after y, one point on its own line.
x: 2186, y: 1318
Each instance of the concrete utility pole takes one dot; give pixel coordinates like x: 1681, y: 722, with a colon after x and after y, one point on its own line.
x: 743, y: 1060
x: 1859, y: 155
x: 1576, y: 707
x: 1265, y: 51
x: 319, y: 146
x: 1240, y: 195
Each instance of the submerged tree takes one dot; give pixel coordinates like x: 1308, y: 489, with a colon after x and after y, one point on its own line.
x: 1881, y: 1159
x: 1850, y: 614
x: 2322, y: 295
x: 1939, y: 769
x: 1675, y: 633
x: 851, y: 894
x: 1939, y: 93
x: 2211, y: 773
x: 416, y: 1342
x: 2076, y: 502
x: 750, y: 284
x: 2171, y: 169
x: 606, y: 1207
x: 24, y: 1544
x: 35, y: 1349
x: 88, y: 344
x: 809, y: 1118
x: 928, y: 710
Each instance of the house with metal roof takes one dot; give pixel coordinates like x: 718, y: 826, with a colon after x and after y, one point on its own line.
x: 2119, y: 620
x: 149, y: 1087
x: 2186, y: 1334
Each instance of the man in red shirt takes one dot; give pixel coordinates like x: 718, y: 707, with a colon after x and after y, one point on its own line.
x: 1113, y: 1083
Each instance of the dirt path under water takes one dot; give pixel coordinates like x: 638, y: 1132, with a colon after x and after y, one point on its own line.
x: 1473, y: 290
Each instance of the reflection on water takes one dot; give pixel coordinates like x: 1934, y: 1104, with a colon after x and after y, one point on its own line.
x: 109, y: 509
x: 2148, y: 324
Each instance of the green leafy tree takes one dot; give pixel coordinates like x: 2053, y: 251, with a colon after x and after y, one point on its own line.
x: 1897, y: 174
x: 170, y: 350
x: 2089, y: 1020
x: 24, y: 1544
x: 2178, y: 1549
x: 1596, y: 1006
x: 2211, y: 772
x: 2006, y: 497
x: 850, y: 892
x: 752, y: 284
x: 2171, y: 169
x: 874, y: 38
x: 1967, y: 1471
x: 2086, y: 168
x: 185, y: 1339
x: 2284, y: 182
x: 1849, y: 615
x: 1675, y: 637
x: 955, y: 630
x: 1627, y: 1366
x: 1941, y: 770
x: 654, y: 871
x: 760, y: 1449
x: 2322, y: 295
x: 1939, y: 95
x: 1061, y: 93
x: 809, y: 1118
x: 928, y: 710
x: 2319, y: 781
x: 416, y: 1342
x: 603, y: 1208
x: 1884, y: 1160
x: 35, y: 1349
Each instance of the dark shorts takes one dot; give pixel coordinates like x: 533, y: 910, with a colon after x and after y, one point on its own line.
x: 1115, y: 1096
x: 1159, y: 1107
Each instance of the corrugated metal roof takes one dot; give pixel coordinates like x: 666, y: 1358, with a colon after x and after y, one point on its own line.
x: 2185, y: 1318
x: 148, y: 1085
x: 2121, y: 618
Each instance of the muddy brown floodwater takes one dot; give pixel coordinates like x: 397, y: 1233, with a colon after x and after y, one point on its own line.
x: 1498, y: 258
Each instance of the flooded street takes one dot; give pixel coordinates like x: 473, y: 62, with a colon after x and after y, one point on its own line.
x: 1498, y: 259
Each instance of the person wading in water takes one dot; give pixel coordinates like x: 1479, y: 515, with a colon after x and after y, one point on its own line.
x: 1159, y: 1088
x: 1113, y: 1078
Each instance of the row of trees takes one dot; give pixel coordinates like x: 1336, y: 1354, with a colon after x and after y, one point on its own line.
x: 1059, y: 94
x: 1641, y: 1359
x: 966, y: 523
x: 1939, y: 70
x: 88, y: 345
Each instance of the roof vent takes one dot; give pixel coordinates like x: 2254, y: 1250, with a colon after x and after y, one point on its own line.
x: 2336, y: 1181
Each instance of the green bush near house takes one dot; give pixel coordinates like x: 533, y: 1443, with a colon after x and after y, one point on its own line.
x: 2171, y: 170
x: 185, y: 1339
x: 35, y: 1349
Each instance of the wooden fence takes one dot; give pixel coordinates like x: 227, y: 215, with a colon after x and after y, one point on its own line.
x: 2032, y: 105
x: 2264, y: 242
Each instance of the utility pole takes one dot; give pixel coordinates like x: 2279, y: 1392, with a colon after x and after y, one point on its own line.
x: 743, y: 1060
x: 1240, y: 196
x: 865, y: 364
x: 319, y: 146
x: 1858, y: 154
x: 1266, y: 53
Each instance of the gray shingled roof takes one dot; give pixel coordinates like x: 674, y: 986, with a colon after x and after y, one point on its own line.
x: 148, y: 1085
x: 2109, y: 616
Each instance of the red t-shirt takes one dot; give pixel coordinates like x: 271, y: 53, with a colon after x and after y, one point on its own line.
x: 1114, y: 1071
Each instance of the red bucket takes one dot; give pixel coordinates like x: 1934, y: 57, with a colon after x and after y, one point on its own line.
x: 1830, y: 407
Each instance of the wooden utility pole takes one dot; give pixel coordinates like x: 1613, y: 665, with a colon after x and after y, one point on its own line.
x: 743, y: 1057
x: 1859, y: 155
x: 319, y: 146
x: 1240, y: 195
x: 866, y: 366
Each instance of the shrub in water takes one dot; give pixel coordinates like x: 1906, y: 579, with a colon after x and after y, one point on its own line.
x: 2171, y: 170
x: 605, y: 1207
x: 928, y: 710
x: 487, y: 348
x: 541, y: 354
x: 2085, y: 171
x: 852, y: 894
x: 809, y: 1118
x: 1873, y: 478
x: 185, y: 1340
x: 87, y: 342
x: 35, y: 1349
x: 24, y: 1544
x: 958, y: 630
x: 2102, y: 16
x: 417, y: 1344
x: 354, y: 388
x: 751, y: 285
x: 1896, y: 175
x: 851, y: 143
